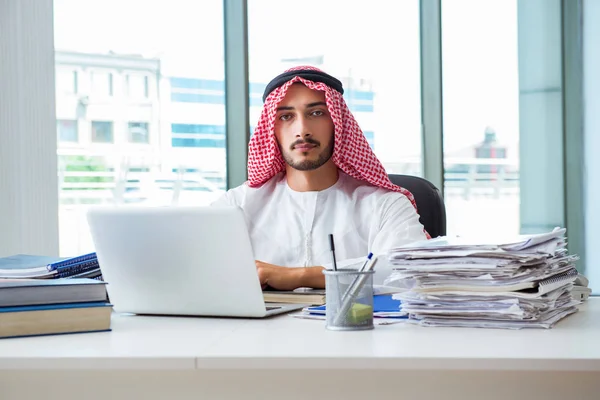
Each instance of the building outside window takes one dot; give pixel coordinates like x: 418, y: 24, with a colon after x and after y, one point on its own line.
x: 102, y: 132
x: 67, y: 131
x: 138, y: 132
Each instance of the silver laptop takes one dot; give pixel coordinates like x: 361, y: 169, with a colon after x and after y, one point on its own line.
x: 179, y: 261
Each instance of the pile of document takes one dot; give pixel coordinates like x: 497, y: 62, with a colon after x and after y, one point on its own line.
x: 524, y: 283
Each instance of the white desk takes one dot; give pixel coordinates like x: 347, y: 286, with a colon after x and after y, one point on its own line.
x: 285, y: 357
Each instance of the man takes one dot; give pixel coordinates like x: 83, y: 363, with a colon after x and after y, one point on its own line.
x: 311, y: 173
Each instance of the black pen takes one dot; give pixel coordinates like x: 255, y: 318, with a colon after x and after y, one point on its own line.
x: 332, y: 248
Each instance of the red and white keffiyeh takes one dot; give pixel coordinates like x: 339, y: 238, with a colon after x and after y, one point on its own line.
x: 351, y: 153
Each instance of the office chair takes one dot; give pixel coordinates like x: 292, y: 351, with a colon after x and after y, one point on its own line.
x: 430, y: 204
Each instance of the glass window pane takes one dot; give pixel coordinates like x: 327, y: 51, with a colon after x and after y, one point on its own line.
x: 501, y: 89
x: 101, y: 83
x: 381, y: 83
x: 130, y: 89
x: 591, y: 89
x: 137, y: 86
x: 66, y: 81
x: 67, y: 131
x: 138, y: 132
x: 102, y: 131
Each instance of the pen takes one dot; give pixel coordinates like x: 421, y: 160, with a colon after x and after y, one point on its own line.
x: 332, y: 248
x: 366, y: 262
x: 355, y: 280
x: 351, y: 294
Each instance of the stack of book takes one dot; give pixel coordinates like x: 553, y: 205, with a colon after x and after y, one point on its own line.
x: 42, y: 267
x: 524, y: 283
x: 298, y: 296
x: 32, y: 307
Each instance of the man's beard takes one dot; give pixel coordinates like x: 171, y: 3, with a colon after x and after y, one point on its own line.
x: 308, y: 165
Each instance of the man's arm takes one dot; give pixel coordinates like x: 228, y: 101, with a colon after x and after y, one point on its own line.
x: 286, y: 278
x: 398, y: 225
x: 277, y: 277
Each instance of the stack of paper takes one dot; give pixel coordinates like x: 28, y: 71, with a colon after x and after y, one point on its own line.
x: 518, y: 284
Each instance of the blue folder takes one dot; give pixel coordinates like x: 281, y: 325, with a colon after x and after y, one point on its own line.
x: 382, y: 303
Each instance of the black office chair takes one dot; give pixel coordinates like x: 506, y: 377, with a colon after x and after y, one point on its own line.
x: 430, y: 204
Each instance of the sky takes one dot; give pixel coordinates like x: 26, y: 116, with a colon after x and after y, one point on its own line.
x: 376, y: 39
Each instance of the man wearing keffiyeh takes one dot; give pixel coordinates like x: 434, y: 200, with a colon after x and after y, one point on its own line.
x: 311, y: 173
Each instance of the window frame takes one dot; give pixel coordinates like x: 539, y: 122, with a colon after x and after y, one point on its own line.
x: 34, y: 25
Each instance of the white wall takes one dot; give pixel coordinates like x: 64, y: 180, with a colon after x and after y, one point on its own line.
x: 591, y: 89
x: 28, y: 171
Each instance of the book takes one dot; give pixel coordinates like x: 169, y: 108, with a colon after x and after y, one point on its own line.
x: 27, y: 266
x: 77, y: 268
x: 298, y: 296
x: 54, y: 319
x: 45, y: 267
x: 68, y: 262
x: 95, y: 273
x: 26, y: 292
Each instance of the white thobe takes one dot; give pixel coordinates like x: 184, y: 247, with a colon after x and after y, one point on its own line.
x: 291, y: 228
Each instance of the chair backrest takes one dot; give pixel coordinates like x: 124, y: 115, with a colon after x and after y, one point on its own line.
x: 430, y: 204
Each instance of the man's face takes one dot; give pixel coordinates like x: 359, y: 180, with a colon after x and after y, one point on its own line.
x: 304, y: 129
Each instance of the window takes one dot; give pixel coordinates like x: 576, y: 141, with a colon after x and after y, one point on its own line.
x: 137, y: 86
x: 138, y: 132
x: 501, y: 99
x: 196, y: 135
x: 67, y: 131
x: 381, y: 83
x: 102, y: 132
x: 66, y: 81
x: 215, y: 142
x: 591, y: 88
x: 187, y: 90
x: 146, y: 87
x: 101, y: 83
x: 197, y: 128
x: 134, y: 82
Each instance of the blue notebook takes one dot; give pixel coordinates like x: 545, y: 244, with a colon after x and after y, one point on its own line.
x: 34, y: 266
x: 382, y: 304
x: 85, y: 259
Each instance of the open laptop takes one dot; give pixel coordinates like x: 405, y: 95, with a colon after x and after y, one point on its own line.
x: 179, y: 261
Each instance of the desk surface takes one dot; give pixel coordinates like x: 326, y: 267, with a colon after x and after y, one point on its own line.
x: 283, y: 342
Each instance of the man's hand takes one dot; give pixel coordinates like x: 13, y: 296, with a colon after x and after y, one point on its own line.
x: 285, y: 278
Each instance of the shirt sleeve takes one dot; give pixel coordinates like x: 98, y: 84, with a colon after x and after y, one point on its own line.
x: 398, y: 224
x: 225, y: 200
x: 232, y: 197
